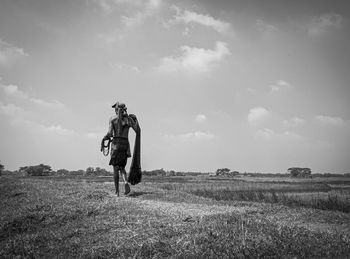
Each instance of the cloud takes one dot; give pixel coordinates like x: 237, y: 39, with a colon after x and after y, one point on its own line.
x: 56, y: 130
x: 187, y: 17
x: 93, y: 135
x: 191, y: 136
x: 200, y: 118
x: 48, y: 104
x: 186, y: 31
x: 294, y: 122
x: 279, y: 85
x: 59, y: 130
x: 134, y: 13
x: 266, y: 29
x: 13, y: 90
x: 147, y: 9
x: 258, y: 115
x: 131, y: 21
x: 328, y: 120
x: 124, y: 67
x: 19, y: 118
x: 325, y: 22
x: 12, y: 110
x: 195, y: 60
x: 9, y: 54
x: 284, y: 137
x: 108, y: 6
x: 265, y: 134
x: 143, y: 9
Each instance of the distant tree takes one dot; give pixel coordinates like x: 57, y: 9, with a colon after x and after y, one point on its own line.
x: 300, y: 172
x: 90, y: 171
x: 101, y: 171
x: 171, y: 173
x: 233, y: 173
x: 62, y: 171
x: 222, y: 171
x: 2, y: 167
x: 36, y: 170
x: 156, y: 172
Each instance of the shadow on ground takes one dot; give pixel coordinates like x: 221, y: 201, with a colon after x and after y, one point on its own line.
x: 137, y: 194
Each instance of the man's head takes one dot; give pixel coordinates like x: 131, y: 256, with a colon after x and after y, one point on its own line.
x: 120, y: 108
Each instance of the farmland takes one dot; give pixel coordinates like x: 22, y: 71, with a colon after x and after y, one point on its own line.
x: 177, y: 217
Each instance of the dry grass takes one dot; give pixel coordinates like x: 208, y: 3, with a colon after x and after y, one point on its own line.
x: 312, y: 194
x: 74, y: 219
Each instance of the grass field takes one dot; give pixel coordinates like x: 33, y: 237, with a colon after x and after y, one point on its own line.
x: 176, y: 217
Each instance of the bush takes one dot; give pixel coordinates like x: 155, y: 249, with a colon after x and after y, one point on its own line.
x: 2, y: 167
x: 36, y: 170
x: 300, y: 172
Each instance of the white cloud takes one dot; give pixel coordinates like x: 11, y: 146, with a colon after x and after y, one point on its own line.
x: 56, y: 130
x: 323, y: 23
x: 202, y: 19
x: 104, y: 5
x: 284, y: 137
x: 48, y: 104
x: 257, y: 115
x: 191, y: 136
x: 328, y: 120
x: 134, y: 13
x: 11, y: 110
x: 93, y: 135
x: 149, y: 8
x: 195, y: 60
x: 200, y: 118
x: 19, y: 118
x: 139, y: 9
x: 59, y: 130
x: 186, y: 31
x: 124, y: 67
x: 13, y: 90
x: 9, y: 54
x: 134, y: 20
x: 108, y: 6
x: 294, y: 122
x: 279, y: 85
x: 265, y: 134
x: 265, y: 28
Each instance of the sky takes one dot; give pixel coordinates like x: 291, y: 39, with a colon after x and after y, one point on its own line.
x: 254, y: 86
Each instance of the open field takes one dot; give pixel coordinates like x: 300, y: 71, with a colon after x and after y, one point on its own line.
x: 177, y: 217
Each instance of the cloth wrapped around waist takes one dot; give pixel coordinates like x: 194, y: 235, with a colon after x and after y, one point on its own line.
x: 120, y: 151
x: 120, y: 143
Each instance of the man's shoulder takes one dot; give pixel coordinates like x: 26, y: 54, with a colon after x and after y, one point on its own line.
x: 113, y: 118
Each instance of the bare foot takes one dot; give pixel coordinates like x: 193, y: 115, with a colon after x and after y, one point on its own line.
x: 127, y: 189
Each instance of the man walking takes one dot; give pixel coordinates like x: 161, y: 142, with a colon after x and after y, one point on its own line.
x: 119, y: 126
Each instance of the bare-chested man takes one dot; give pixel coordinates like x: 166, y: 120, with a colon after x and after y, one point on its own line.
x: 119, y: 126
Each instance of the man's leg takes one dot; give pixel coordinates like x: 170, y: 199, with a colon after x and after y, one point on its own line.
x: 126, y: 184
x: 116, y: 179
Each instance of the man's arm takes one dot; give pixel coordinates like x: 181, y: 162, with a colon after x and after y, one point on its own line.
x: 110, y: 129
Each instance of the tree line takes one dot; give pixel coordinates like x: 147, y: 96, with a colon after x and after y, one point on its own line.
x: 46, y: 170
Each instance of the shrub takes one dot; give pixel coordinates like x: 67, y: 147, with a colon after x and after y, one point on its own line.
x: 300, y: 172
x: 36, y: 170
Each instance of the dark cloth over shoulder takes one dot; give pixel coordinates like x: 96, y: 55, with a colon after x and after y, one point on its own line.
x: 135, y: 174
